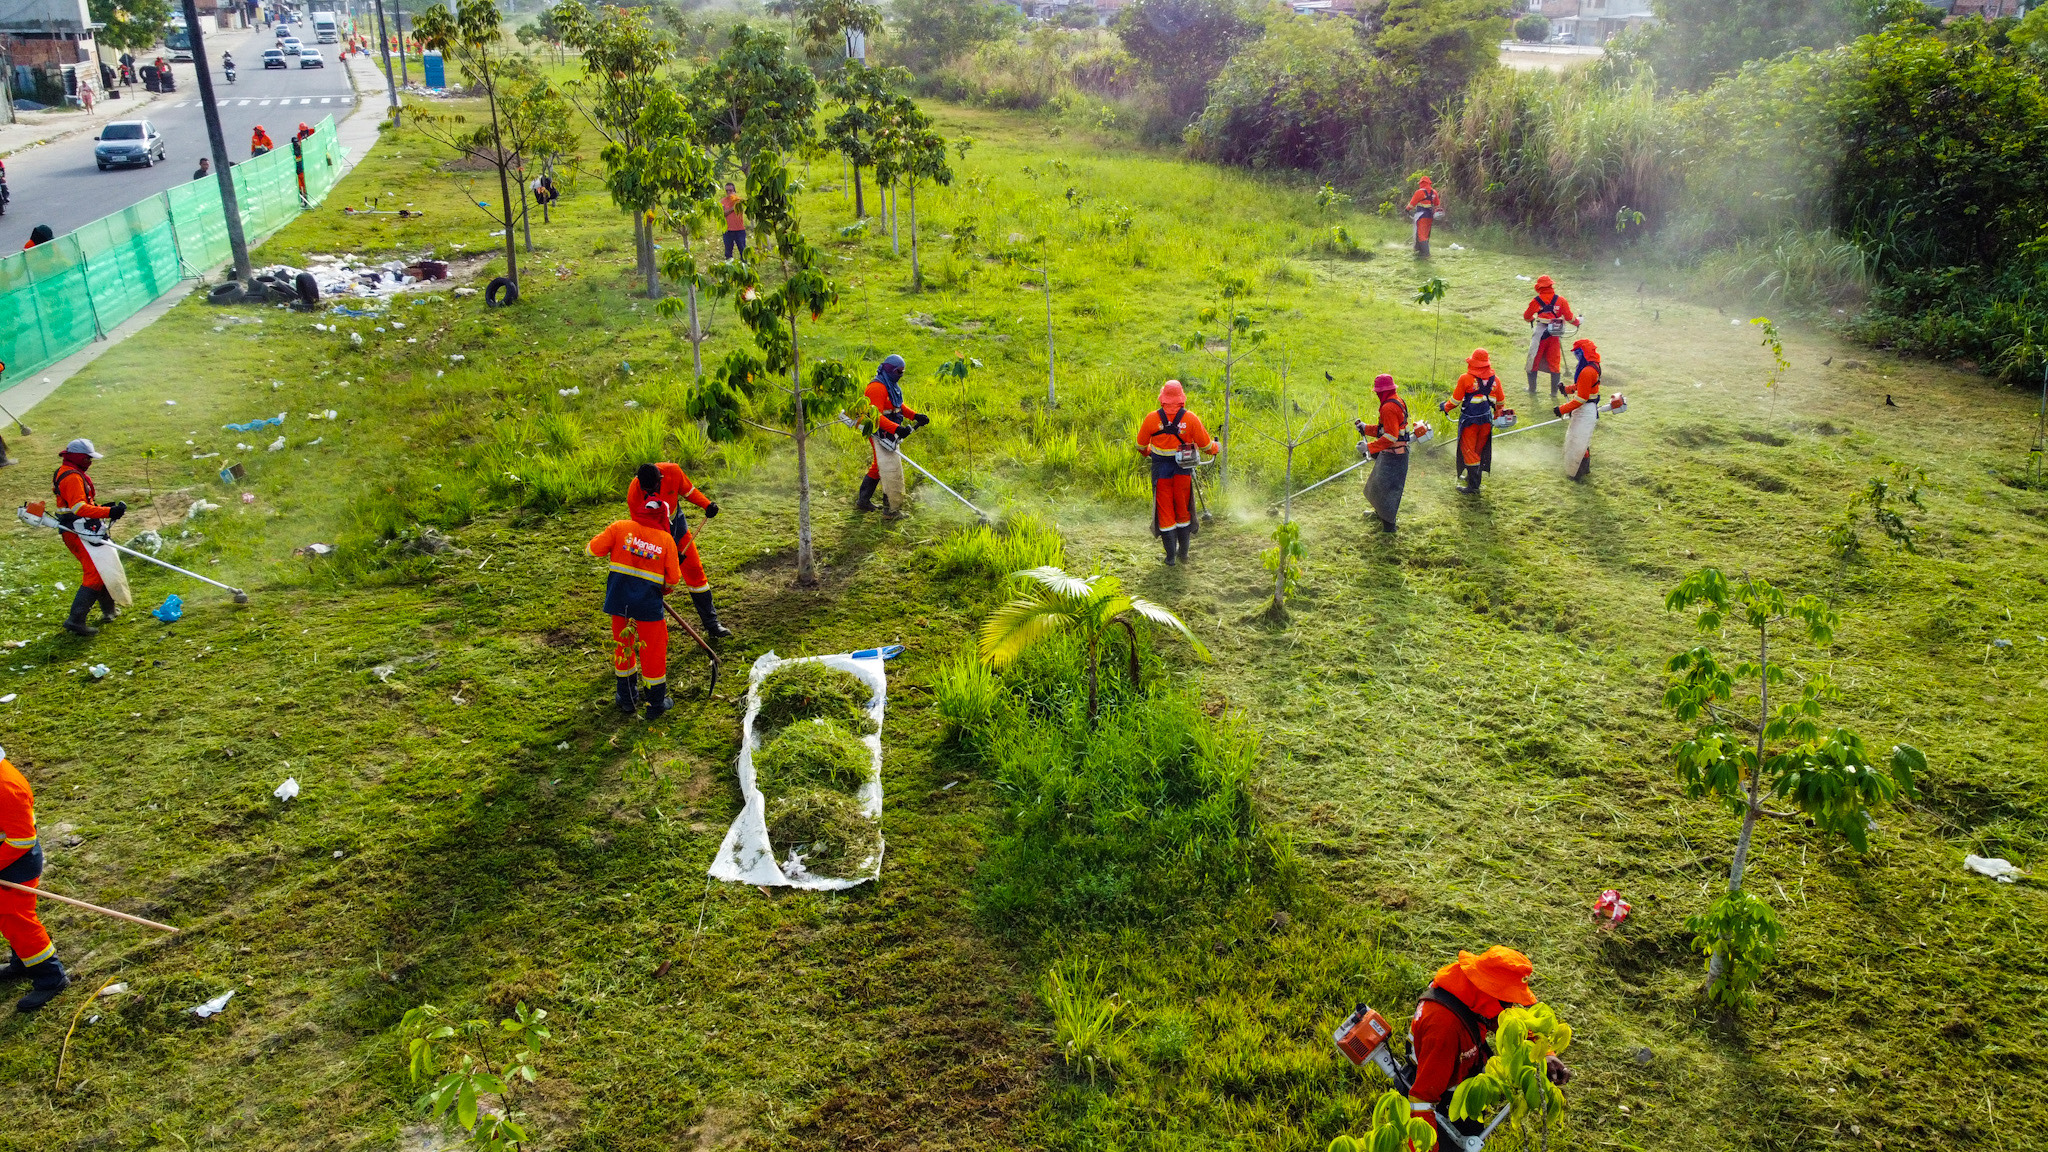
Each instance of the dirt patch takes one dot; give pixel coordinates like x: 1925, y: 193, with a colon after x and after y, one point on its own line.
x: 1761, y: 481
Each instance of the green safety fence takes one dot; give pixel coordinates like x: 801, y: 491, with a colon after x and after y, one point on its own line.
x: 59, y: 297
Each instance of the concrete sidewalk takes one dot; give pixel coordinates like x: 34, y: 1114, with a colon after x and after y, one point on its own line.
x: 357, y: 134
x: 33, y: 128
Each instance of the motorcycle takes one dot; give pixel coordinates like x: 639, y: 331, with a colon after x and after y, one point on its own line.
x: 5, y: 195
x: 227, y: 68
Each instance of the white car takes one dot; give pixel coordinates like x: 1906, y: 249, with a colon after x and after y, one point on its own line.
x: 274, y: 58
x: 290, y: 44
x: 310, y: 58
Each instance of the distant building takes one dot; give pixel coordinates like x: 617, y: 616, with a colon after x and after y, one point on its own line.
x: 1983, y: 9
x: 49, y: 36
x: 1590, y: 21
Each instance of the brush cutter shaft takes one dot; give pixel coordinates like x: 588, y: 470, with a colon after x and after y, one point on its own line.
x: 42, y: 895
x: 942, y: 484
x: 1337, y: 476
x: 51, y: 522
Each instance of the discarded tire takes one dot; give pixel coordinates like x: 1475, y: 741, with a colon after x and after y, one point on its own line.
x: 309, y: 289
x: 228, y: 293
x: 501, y: 284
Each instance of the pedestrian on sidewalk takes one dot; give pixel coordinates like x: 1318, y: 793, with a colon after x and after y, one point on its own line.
x: 205, y: 169
x: 85, y: 95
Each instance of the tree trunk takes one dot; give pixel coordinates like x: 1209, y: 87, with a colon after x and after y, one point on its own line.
x: 916, y: 274
x: 895, y: 246
x: 806, y: 565
x: 653, y: 265
x: 1286, y: 515
x: 639, y: 247
x: 1052, y: 385
x: 696, y: 330
x: 525, y: 214
x: 860, y: 211
x: 504, y: 184
x: 1751, y: 809
x: 1223, y: 456
x: 1132, y: 633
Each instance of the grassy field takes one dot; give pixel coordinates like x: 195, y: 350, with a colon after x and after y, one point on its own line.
x: 1458, y: 734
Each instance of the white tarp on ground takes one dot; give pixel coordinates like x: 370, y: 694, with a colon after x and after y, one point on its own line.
x: 746, y: 857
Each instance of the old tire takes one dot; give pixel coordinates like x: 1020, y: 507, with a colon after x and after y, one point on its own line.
x: 228, y: 293
x: 504, y: 285
x: 308, y: 288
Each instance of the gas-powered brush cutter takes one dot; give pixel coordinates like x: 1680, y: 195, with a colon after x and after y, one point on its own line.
x: 1366, y: 1037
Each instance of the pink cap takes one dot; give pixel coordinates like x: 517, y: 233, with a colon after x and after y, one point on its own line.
x: 1383, y: 384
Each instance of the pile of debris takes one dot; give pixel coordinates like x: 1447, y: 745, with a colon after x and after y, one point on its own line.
x: 349, y: 276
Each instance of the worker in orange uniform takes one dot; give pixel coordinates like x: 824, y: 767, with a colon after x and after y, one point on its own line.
x: 21, y: 862
x: 894, y: 420
x: 1425, y: 206
x: 643, y: 572
x: 1478, y: 400
x: 75, y: 495
x: 1171, y: 439
x: 1388, y: 448
x: 669, y: 485
x: 260, y: 142
x: 1582, y: 408
x: 1547, y: 315
x: 1457, y: 1015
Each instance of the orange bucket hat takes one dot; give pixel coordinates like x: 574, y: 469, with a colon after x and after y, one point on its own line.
x: 1172, y: 395
x: 1500, y: 972
x: 1587, y: 346
x: 1479, y: 361
x: 1544, y: 281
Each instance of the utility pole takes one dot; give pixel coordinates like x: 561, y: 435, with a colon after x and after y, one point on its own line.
x: 384, y: 44
x: 398, y: 23
x: 229, y: 208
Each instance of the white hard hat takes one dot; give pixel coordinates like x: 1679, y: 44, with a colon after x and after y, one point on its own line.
x: 85, y: 447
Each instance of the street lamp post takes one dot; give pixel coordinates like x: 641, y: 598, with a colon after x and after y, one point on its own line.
x: 237, y: 242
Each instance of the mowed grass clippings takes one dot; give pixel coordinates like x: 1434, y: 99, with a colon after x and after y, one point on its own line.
x: 1461, y: 723
x: 825, y: 828
x: 812, y: 754
x: 808, y: 690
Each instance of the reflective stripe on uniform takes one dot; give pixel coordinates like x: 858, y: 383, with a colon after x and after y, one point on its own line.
x: 48, y: 951
x: 629, y: 570
x: 24, y: 845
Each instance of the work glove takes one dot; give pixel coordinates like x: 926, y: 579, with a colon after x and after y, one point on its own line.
x: 921, y: 419
x: 117, y: 510
x: 1360, y: 425
x: 711, y: 510
x: 904, y: 430
x: 1557, y: 411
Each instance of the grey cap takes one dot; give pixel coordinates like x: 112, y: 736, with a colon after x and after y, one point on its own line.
x: 85, y: 446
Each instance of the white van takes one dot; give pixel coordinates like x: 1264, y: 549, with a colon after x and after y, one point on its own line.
x: 323, y: 28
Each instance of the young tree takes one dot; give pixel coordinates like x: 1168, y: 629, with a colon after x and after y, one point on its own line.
x: 540, y: 126
x: 866, y: 94
x: 472, y: 36
x: 931, y: 32
x: 664, y: 170
x: 1285, y: 557
x: 622, y: 61
x: 912, y: 151
x: 753, y: 99
x: 1182, y: 44
x: 1741, y: 748
x: 1232, y: 289
x: 1437, y: 46
x: 130, y: 25
x: 826, y: 23
x: 773, y: 313
x: 1055, y: 602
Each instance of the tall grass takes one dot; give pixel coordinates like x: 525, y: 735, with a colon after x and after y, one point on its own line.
x: 1561, y: 154
x: 1800, y: 270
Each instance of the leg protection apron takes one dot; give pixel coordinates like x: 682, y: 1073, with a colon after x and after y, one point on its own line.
x: 1385, y: 482
x: 889, y: 466
x: 1578, y: 436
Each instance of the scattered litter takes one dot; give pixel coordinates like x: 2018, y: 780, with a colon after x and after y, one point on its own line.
x: 562, y: 747
x: 345, y: 310
x: 9, y: 698
x: 400, y: 324
x: 1999, y: 869
x: 13, y: 643
x: 213, y: 1007
x: 206, y: 456
x: 2001, y: 643
x: 114, y: 989
x: 1457, y: 247
x: 170, y: 611
x: 1521, y: 277
x: 170, y: 403
x: 456, y: 358
x: 632, y: 403
x: 60, y: 586
x: 149, y: 542
x: 199, y: 506
x: 234, y: 472
x: 315, y: 441
x: 319, y: 327
x: 572, y: 390
x: 99, y: 671
x: 248, y: 497
x: 340, y: 276
x: 383, y: 672
x: 241, y: 447
x: 1735, y: 321
x: 465, y: 291
x: 378, y: 328
x: 313, y: 550
x: 1611, y: 905
x: 356, y: 338
x: 289, y: 790
x: 277, y: 445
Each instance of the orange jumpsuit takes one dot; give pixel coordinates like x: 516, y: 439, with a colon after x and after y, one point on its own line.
x: 260, y: 142
x: 1446, y: 1052
x: 643, y: 571
x: 891, y: 416
x: 1477, y: 401
x: 1173, y: 486
x: 75, y: 495
x: 21, y: 861
x: 1550, y: 352
x: 1425, y: 198
x: 675, y: 488
x: 1392, y: 430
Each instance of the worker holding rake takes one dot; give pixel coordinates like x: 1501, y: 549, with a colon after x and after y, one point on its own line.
x: 21, y: 862
x: 1171, y: 439
x: 644, y: 571
x: 1452, y: 1024
x: 668, y: 485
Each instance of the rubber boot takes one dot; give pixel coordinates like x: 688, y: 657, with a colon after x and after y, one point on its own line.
x: 1181, y: 537
x: 866, y: 503
x: 627, y: 695
x: 1556, y: 386
x: 81, y: 603
x: 1471, y: 485
x: 108, y: 609
x: 1385, y: 525
x: 1585, y: 467
x: 49, y: 979
x: 1532, y: 382
x: 15, y: 969
x: 709, y: 615
x: 657, y: 700
x: 1166, y: 538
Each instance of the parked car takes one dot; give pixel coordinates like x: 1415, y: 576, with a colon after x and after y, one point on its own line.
x: 311, y: 58
x: 128, y: 142
x: 290, y: 44
x: 274, y: 58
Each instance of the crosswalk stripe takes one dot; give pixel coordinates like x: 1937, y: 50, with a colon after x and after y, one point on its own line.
x: 263, y: 103
x: 309, y: 101
x: 241, y: 103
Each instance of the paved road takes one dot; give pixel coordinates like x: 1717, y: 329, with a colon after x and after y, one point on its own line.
x: 60, y: 184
